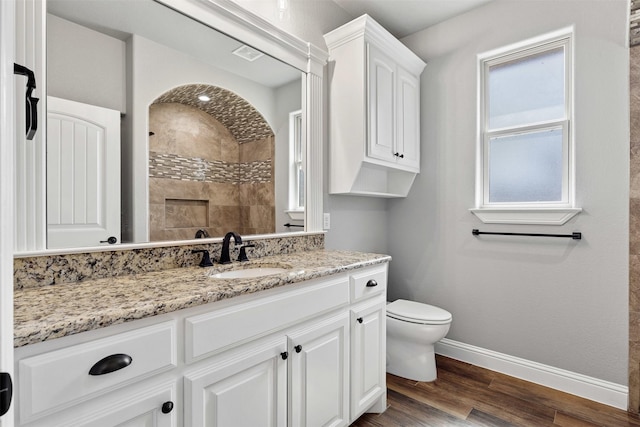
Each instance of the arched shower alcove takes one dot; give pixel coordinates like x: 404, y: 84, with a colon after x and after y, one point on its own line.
x: 211, y: 165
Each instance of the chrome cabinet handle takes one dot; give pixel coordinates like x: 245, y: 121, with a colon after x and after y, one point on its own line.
x: 371, y: 283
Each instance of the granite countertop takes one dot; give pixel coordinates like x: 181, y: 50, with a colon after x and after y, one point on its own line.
x: 50, y: 312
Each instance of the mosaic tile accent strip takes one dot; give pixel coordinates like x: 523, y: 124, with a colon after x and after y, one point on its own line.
x: 255, y: 172
x: 40, y: 271
x: 243, y: 121
x: 171, y: 166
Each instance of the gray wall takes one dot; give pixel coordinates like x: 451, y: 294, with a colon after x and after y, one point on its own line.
x: 84, y: 65
x: 556, y: 302
x: 357, y: 223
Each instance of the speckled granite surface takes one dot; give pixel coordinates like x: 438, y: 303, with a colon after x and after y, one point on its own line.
x: 31, y: 272
x: 50, y: 312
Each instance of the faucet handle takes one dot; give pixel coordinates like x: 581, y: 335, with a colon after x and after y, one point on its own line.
x: 243, y: 252
x: 206, y: 259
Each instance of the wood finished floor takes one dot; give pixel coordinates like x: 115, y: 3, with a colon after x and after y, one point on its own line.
x: 466, y: 395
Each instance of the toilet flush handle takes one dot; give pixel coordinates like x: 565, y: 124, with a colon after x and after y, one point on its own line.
x: 371, y: 283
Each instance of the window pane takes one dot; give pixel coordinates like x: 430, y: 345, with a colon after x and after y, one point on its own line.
x: 527, y: 90
x: 526, y: 167
x: 300, y: 188
x: 298, y: 138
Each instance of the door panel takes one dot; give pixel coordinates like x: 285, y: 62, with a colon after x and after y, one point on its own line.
x: 368, y: 381
x: 320, y: 374
x: 381, y: 88
x: 83, y: 174
x: 408, y: 136
x: 242, y: 388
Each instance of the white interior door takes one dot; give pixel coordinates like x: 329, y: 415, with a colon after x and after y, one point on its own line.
x: 83, y: 174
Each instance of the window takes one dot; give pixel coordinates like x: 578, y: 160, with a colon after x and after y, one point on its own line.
x: 526, y: 156
x: 296, y: 166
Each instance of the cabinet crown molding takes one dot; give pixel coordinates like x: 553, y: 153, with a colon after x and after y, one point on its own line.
x: 369, y: 30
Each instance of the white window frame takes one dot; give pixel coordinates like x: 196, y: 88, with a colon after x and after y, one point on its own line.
x: 296, y: 165
x: 550, y: 213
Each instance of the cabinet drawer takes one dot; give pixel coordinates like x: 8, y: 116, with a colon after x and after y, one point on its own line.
x: 227, y: 327
x: 367, y: 283
x: 55, y: 380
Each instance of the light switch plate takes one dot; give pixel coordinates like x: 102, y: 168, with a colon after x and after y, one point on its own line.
x: 326, y: 221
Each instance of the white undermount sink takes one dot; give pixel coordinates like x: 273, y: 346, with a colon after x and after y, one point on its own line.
x: 248, y: 272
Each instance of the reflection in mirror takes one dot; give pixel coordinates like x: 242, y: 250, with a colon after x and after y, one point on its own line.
x: 210, y: 165
x: 227, y: 158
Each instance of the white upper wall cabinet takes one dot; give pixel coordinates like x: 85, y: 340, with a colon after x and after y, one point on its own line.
x: 374, y: 111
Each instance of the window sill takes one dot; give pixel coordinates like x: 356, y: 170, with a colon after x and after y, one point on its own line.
x: 296, y: 215
x: 540, y: 216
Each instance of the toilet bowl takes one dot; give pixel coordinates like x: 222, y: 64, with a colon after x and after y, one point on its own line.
x: 413, y: 329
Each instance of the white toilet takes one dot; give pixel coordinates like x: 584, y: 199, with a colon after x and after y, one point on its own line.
x: 412, y: 330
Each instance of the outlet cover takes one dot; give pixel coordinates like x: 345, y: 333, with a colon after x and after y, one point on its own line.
x: 326, y: 221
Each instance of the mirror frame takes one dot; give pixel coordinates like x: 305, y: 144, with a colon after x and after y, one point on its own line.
x: 235, y: 21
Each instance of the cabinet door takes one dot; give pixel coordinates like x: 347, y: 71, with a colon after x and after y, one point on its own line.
x: 408, y: 120
x: 246, y: 386
x: 368, y: 380
x: 319, y: 387
x: 155, y: 410
x: 137, y: 406
x: 381, y: 89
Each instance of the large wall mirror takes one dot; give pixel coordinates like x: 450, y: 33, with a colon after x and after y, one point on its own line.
x: 212, y: 132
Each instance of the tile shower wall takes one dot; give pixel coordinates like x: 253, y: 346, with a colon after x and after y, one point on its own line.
x: 49, y: 270
x: 200, y: 177
x: 634, y: 233
x: 256, y: 187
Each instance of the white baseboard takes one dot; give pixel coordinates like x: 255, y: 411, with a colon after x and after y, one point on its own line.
x: 609, y: 393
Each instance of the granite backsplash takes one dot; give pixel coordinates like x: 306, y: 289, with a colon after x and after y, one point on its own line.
x: 31, y: 272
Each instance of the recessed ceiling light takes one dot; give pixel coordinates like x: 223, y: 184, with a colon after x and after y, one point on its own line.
x: 248, y: 53
x: 204, y: 98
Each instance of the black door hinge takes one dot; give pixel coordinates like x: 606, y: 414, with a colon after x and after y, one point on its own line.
x: 31, y: 103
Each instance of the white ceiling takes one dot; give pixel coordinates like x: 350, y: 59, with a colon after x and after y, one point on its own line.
x: 404, y: 17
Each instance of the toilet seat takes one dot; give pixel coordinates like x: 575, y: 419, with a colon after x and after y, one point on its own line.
x: 416, y: 312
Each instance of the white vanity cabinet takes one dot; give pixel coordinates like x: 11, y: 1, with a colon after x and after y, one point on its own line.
x: 308, y: 354
x: 374, y: 111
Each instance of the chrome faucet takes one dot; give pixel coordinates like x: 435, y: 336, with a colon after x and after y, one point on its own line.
x: 224, y: 256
